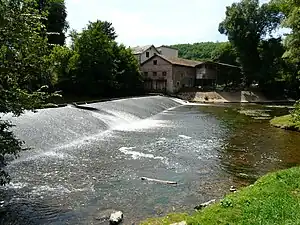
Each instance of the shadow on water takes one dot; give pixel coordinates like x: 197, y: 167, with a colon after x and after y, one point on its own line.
x: 17, y: 209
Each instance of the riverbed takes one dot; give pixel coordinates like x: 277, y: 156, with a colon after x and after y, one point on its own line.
x: 83, y: 162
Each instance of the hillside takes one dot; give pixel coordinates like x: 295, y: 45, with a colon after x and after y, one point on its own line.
x: 199, y: 51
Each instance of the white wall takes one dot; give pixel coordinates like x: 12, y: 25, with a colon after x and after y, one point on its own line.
x: 169, y: 52
x: 151, y: 51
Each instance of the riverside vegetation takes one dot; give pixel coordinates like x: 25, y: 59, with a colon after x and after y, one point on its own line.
x: 289, y: 122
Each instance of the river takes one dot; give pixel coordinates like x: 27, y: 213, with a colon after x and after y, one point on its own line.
x: 83, y: 162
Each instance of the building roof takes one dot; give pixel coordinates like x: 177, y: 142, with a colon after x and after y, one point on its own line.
x: 186, y: 62
x: 140, y: 49
x: 180, y: 61
x: 219, y: 64
x: 175, y: 60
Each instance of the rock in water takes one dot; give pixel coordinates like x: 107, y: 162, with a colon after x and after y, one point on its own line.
x: 116, y: 217
x: 232, y: 189
x: 205, y: 204
x: 104, y: 215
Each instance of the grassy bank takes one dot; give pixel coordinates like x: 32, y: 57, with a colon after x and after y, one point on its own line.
x: 285, y: 122
x: 273, y: 199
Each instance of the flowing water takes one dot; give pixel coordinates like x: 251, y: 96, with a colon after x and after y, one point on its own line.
x: 83, y: 162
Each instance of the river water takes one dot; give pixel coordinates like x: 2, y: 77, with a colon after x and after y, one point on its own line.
x: 84, y: 162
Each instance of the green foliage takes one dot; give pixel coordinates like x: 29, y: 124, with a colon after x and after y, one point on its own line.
x: 296, y: 113
x: 273, y: 67
x: 290, y: 9
x: 55, y: 24
x: 96, y: 65
x: 197, y: 51
x: 287, y: 122
x: 24, y: 68
x: 246, y: 24
x: 225, y: 53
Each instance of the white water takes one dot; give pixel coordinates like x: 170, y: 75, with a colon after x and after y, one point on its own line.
x: 138, y: 155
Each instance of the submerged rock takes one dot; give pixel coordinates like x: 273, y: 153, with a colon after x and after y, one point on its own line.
x: 116, y: 217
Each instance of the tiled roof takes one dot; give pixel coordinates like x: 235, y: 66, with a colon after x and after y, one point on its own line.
x: 180, y: 61
x: 140, y: 49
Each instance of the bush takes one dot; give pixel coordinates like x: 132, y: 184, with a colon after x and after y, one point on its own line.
x: 296, y: 112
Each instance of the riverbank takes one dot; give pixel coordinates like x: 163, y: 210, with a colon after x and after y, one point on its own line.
x: 285, y: 122
x: 273, y: 199
x: 230, y: 97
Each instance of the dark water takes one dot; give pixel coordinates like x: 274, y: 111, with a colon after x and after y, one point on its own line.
x: 84, y: 162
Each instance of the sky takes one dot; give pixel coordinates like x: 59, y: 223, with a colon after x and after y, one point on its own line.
x: 157, y: 22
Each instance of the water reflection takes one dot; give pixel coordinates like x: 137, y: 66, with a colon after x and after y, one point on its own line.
x: 253, y: 147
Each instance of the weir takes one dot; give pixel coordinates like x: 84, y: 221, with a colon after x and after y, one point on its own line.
x: 55, y: 127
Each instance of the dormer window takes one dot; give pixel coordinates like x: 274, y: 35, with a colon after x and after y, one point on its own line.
x: 147, y: 54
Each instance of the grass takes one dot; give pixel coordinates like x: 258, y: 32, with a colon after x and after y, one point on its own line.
x: 273, y: 199
x: 285, y: 122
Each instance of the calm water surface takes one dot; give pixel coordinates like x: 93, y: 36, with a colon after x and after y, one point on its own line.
x: 206, y: 149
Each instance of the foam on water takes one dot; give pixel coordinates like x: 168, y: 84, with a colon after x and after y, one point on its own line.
x: 138, y: 155
x: 142, y: 125
x: 184, y: 137
x: 43, y: 155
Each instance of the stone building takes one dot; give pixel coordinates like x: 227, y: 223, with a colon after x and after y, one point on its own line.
x: 170, y: 74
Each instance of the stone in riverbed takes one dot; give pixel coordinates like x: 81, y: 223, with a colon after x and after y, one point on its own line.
x: 116, y: 217
x: 104, y: 215
x: 232, y: 189
x: 205, y: 204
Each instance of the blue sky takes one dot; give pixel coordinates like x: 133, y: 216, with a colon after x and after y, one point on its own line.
x: 140, y: 22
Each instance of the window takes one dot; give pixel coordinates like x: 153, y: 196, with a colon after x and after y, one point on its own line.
x: 182, y: 75
x: 146, y: 74
x: 154, y: 74
x: 178, y: 83
x: 164, y: 73
x: 147, y: 54
x: 154, y: 62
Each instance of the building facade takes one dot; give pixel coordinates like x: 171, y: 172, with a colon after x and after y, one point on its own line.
x: 170, y: 74
x: 143, y: 53
x: 168, y: 51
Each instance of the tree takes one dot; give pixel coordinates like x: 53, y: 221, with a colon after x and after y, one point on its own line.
x: 290, y: 10
x: 246, y: 24
x: 55, y: 22
x: 109, y: 30
x: 225, y: 53
x: 128, y: 77
x: 95, y: 61
x: 197, y: 51
x: 95, y: 65
x: 292, y: 41
x: 24, y: 71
